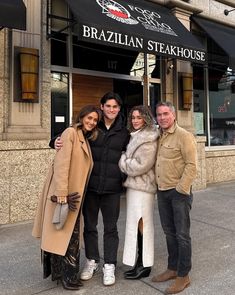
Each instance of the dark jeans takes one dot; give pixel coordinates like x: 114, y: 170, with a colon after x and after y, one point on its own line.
x: 174, y: 209
x: 109, y: 204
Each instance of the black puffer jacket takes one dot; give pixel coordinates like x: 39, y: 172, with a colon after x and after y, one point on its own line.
x: 106, y: 176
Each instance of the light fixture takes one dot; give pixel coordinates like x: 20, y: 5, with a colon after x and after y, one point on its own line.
x: 226, y: 11
x: 29, y: 68
x: 187, y: 90
x: 170, y: 66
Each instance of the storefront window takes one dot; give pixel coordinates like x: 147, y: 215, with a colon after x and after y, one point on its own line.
x: 155, y: 96
x: 59, y: 53
x: 59, y: 102
x: 102, y: 58
x: 222, y: 108
x: 154, y: 66
x: 137, y: 69
x: 199, y: 99
x: 58, y: 31
x: 218, y: 81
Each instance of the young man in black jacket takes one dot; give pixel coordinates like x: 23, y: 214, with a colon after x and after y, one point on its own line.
x: 104, y: 189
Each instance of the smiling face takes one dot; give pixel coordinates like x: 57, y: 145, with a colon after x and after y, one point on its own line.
x: 110, y: 110
x: 90, y: 121
x: 165, y: 117
x: 137, y: 120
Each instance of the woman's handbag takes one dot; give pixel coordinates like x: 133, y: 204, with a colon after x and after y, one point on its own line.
x: 60, y: 215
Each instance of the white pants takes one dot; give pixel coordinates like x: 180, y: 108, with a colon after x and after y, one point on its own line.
x: 139, y: 205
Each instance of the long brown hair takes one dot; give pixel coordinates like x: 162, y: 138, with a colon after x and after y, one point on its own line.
x: 78, y: 122
x: 145, y: 113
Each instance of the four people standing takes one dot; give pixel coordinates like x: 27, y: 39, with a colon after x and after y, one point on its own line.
x: 173, y: 155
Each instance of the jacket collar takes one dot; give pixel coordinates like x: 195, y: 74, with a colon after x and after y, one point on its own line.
x: 117, y: 124
x: 170, y: 130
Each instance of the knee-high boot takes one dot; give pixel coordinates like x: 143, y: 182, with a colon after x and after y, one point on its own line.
x: 138, y: 271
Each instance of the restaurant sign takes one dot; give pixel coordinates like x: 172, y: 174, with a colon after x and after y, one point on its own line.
x: 136, y: 25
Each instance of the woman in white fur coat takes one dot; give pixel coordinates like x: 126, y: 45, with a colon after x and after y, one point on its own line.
x: 138, y: 164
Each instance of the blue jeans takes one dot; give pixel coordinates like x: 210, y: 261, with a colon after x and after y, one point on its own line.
x: 174, y: 209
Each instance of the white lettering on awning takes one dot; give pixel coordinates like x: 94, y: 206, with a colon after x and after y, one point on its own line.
x: 112, y: 37
x: 176, y: 51
x: 152, y: 46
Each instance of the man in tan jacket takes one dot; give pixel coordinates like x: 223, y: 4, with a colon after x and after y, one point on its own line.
x: 175, y: 170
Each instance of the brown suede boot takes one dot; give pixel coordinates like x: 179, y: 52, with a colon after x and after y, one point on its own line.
x: 179, y: 285
x: 165, y: 276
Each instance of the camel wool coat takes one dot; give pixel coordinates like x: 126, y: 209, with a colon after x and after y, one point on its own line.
x: 68, y: 173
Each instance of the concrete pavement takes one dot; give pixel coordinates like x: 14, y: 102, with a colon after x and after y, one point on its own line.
x: 213, y: 240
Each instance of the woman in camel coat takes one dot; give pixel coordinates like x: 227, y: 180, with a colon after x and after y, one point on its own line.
x: 66, y: 183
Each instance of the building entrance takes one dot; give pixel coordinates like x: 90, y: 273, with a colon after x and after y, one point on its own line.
x: 89, y: 90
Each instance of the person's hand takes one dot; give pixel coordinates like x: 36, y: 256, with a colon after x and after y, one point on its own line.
x: 72, y: 199
x: 58, y: 143
x: 60, y: 200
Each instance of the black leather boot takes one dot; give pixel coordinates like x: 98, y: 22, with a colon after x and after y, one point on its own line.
x: 139, y: 271
x: 70, y: 286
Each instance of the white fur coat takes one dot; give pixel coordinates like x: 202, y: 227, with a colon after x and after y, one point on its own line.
x: 139, y: 160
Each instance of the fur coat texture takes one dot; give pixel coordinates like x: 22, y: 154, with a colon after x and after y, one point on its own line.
x: 139, y: 160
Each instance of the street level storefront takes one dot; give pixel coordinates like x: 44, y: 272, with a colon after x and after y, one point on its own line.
x: 124, y: 46
x: 72, y: 52
x: 214, y: 98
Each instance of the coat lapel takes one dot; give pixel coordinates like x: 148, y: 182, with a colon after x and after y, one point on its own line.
x: 83, y: 142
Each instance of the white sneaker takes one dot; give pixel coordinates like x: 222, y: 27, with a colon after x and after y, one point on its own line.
x: 89, y: 269
x: 109, y: 276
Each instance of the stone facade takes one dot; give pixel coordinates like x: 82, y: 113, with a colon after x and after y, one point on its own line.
x: 25, y: 127
x: 24, y: 166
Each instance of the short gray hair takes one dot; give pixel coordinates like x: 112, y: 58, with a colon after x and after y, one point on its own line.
x: 166, y: 104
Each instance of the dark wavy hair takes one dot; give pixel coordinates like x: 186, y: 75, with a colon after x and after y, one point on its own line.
x: 111, y: 95
x: 145, y: 113
x: 78, y: 122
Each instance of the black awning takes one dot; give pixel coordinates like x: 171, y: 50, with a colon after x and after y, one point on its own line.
x: 223, y: 36
x: 135, y: 25
x: 13, y: 14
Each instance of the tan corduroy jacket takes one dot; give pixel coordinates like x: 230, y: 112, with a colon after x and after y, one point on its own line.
x: 176, y: 165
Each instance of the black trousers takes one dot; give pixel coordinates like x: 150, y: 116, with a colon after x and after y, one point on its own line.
x: 109, y: 204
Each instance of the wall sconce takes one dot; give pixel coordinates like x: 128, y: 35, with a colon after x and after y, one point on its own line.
x: 170, y: 66
x: 187, y: 90
x: 29, y: 69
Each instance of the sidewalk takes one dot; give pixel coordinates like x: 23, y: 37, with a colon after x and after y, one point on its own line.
x: 213, y: 240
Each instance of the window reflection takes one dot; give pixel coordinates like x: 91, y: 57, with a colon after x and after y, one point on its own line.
x: 218, y: 81
x: 59, y: 102
x: 222, y: 110
x: 138, y: 66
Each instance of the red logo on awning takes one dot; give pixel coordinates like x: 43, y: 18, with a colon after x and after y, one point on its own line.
x: 116, y: 11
